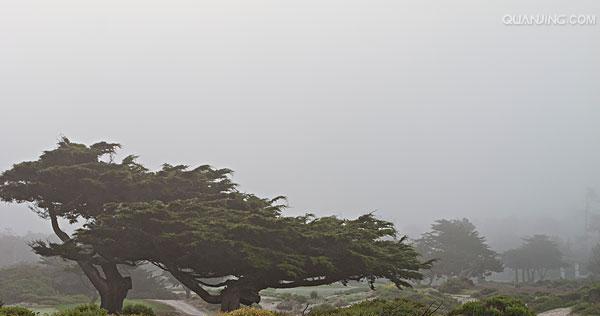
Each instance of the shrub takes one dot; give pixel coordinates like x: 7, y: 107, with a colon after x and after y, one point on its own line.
x: 322, y: 308
x: 15, y: 311
x: 138, y: 309
x: 375, y: 307
x: 286, y: 305
x: 485, y: 292
x: 314, y: 295
x: 294, y: 297
x: 586, y: 309
x: 456, y: 285
x: 248, y: 311
x: 83, y: 310
x: 494, y: 306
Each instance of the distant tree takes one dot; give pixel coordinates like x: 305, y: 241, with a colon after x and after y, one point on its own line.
x: 148, y: 283
x: 67, y: 277
x: 536, y: 256
x: 458, y: 249
x: 74, y: 182
x: 246, y: 244
x: 15, y: 249
x: 594, y: 261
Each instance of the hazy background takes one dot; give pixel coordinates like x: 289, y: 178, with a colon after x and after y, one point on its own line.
x: 417, y: 109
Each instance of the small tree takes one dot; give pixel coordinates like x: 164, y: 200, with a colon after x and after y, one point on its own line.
x: 594, y: 261
x: 458, y: 249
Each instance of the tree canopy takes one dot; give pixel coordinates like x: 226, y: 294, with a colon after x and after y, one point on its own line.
x: 245, y: 241
x: 75, y: 182
x: 458, y: 249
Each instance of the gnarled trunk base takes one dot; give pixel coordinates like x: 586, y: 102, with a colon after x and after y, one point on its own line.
x: 111, y: 298
x: 230, y: 299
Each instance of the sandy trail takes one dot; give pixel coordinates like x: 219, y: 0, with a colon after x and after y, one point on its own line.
x: 557, y: 312
x: 182, y: 306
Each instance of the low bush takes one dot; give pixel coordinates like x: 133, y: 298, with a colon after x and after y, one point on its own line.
x: 15, y: 311
x: 586, y: 309
x: 493, y: 306
x: 83, y: 310
x: 456, y: 285
x: 286, y: 305
x: 248, y: 311
x: 322, y: 308
x: 423, y: 296
x: 138, y: 309
x: 376, y: 307
x: 485, y: 292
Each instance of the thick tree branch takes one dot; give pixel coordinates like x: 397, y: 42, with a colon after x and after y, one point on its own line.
x: 193, y: 284
x: 64, y: 237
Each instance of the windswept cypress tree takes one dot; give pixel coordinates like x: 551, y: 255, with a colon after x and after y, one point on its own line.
x: 247, y: 245
x: 196, y: 225
x: 74, y: 182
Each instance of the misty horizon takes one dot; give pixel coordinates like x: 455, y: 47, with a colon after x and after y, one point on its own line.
x: 415, y: 111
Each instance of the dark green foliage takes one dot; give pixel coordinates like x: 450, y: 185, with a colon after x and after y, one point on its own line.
x: 246, y: 237
x: 75, y: 182
x: 375, y: 308
x: 83, y: 310
x: 458, y: 249
x: 494, y: 306
x: 456, y: 285
x: 15, y: 311
x: 138, y: 309
x: 196, y: 225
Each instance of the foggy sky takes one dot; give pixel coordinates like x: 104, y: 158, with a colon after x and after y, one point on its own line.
x: 416, y: 110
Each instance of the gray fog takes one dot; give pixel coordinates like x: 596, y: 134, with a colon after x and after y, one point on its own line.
x: 417, y: 110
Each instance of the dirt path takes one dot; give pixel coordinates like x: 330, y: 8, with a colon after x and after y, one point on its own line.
x: 557, y: 312
x: 183, y: 307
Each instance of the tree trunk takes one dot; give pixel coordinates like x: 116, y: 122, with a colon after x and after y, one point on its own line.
x: 112, y: 287
x: 230, y: 299
x: 115, y: 291
x: 516, y: 277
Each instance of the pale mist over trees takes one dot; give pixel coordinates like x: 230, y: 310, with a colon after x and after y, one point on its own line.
x: 318, y: 158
